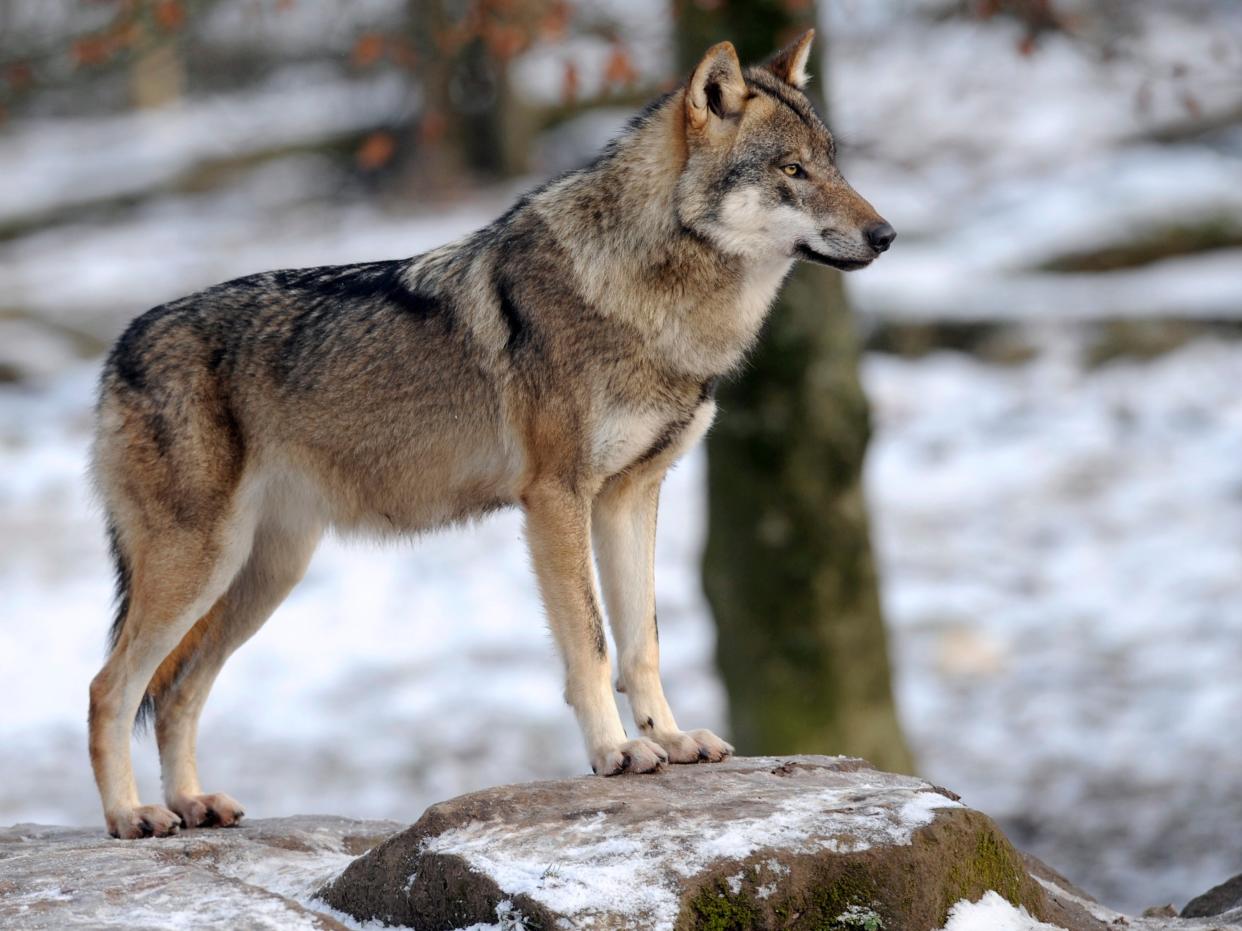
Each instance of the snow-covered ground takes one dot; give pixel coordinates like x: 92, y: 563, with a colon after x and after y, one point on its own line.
x: 1061, y: 546
x: 990, y: 163
x: 1061, y: 550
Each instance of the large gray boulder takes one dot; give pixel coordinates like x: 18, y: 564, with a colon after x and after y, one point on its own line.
x: 258, y: 876
x: 797, y: 842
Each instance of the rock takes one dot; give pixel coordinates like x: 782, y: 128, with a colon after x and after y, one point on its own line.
x: 796, y: 842
x: 1068, y: 906
x: 1075, y: 910
x: 1160, y: 911
x: 1216, y: 901
x: 259, y: 875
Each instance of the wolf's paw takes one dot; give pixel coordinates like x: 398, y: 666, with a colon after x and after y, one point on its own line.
x: 701, y: 746
x: 208, y: 811
x: 633, y: 756
x: 144, y: 821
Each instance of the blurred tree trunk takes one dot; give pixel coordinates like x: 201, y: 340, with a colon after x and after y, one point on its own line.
x: 473, y: 126
x: 788, y: 569
x: 156, y: 76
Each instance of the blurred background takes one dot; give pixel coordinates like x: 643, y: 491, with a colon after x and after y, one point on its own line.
x: 975, y: 512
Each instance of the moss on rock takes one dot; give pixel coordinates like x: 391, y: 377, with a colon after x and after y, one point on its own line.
x: 961, y: 855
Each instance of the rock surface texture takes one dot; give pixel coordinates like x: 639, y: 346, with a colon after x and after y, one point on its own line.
x: 796, y: 842
x: 258, y: 876
x: 799, y: 842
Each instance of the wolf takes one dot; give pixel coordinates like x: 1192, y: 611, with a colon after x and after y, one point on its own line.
x: 558, y: 360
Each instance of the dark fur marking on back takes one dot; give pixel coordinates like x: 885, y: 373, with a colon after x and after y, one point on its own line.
x: 417, y: 303
x: 366, y: 282
x: 330, y: 296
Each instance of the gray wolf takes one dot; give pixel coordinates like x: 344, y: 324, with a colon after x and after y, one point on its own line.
x: 558, y: 360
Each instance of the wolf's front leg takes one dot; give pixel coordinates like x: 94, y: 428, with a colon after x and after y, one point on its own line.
x: 558, y: 532
x: 624, y: 527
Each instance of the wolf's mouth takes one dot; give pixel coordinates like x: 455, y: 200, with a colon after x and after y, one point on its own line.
x: 846, y: 265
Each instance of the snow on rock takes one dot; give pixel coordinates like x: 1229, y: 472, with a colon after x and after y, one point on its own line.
x: 1219, y: 900
x: 750, y: 838
x: 992, y: 913
x: 1076, y: 910
x: 258, y: 876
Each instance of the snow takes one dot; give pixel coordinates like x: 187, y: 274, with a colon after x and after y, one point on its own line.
x: 1062, y: 556
x: 1005, y: 161
x: 992, y: 913
x: 135, y: 152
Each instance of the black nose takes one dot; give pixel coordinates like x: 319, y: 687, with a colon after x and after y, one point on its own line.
x: 881, y: 236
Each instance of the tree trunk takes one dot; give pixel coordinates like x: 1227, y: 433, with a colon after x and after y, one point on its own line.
x: 474, y: 127
x: 156, y: 76
x: 788, y: 569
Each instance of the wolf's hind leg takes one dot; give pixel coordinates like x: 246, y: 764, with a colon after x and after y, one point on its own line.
x: 175, y: 577
x: 277, y: 561
x: 624, y: 527
x: 558, y: 532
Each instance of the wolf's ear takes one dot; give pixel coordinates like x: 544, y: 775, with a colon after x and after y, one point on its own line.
x: 717, y: 90
x: 789, y: 64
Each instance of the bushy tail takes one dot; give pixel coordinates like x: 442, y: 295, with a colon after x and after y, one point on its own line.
x: 124, y: 578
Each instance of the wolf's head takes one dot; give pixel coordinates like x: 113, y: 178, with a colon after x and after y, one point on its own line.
x: 761, y: 178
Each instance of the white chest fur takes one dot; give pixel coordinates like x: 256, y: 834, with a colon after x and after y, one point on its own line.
x: 623, y: 436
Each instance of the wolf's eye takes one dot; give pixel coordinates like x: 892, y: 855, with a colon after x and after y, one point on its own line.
x: 794, y: 170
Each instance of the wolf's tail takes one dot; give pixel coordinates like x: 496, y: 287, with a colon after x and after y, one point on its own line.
x: 123, y: 579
